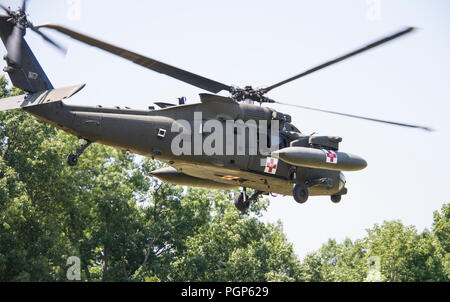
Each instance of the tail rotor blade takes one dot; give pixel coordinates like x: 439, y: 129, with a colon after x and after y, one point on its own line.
x: 46, y: 38
x: 24, y: 5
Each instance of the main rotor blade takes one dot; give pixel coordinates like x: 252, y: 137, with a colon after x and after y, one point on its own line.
x: 46, y: 38
x: 174, y: 72
x: 344, y: 57
x: 358, y: 117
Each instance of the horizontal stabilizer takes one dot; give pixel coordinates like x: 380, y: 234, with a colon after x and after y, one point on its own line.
x: 39, y: 98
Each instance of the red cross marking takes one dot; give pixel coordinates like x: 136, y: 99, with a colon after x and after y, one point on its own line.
x: 331, y: 155
x: 271, y: 165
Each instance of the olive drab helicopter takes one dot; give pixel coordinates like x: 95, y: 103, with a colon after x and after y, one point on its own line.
x: 300, y: 165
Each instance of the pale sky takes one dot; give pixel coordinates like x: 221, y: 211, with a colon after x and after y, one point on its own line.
x: 260, y: 43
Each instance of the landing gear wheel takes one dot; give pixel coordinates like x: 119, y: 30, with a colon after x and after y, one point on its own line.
x: 241, y: 204
x: 72, y: 160
x: 336, y: 198
x: 300, y: 193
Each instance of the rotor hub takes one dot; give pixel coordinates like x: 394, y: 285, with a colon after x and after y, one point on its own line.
x: 19, y: 18
x: 248, y: 93
x: 21, y: 23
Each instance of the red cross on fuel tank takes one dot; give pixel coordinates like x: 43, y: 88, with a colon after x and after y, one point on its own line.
x: 331, y: 157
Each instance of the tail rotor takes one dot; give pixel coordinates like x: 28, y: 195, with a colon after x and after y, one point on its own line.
x: 21, y: 24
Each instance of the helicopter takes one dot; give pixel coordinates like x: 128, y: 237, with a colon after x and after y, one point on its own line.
x: 220, y: 143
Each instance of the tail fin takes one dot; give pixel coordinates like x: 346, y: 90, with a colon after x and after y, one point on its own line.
x: 26, y: 74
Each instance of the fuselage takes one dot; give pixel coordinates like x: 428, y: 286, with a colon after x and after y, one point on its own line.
x: 149, y: 133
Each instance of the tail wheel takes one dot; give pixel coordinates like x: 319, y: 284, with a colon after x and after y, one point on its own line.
x: 72, y: 160
x: 300, y: 193
x: 241, y: 203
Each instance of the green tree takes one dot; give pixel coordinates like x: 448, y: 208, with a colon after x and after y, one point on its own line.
x: 441, y: 229
x: 405, y: 255
x: 237, y: 247
x: 390, y: 252
x: 336, y: 262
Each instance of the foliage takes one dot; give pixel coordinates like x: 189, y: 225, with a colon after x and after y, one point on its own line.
x: 390, y: 252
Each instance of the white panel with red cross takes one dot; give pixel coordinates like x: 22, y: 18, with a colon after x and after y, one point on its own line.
x: 271, y: 165
x: 331, y: 156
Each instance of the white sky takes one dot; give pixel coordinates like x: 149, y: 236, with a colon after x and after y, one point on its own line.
x: 262, y: 42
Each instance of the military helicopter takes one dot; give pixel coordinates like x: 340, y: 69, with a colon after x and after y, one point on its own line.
x: 296, y: 164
